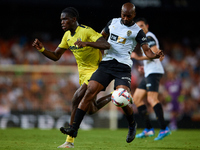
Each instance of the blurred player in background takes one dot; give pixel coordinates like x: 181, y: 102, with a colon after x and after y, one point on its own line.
x: 85, y: 43
x: 153, y: 72
x: 123, y: 35
x: 173, y: 88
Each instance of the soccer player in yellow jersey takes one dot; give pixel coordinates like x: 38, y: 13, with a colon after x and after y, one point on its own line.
x: 85, y: 43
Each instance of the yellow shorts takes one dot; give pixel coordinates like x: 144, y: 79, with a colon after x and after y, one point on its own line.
x: 84, y: 76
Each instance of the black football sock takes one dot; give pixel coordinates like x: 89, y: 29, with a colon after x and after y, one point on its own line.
x: 145, y: 116
x: 78, y: 118
x: 131, y: 120
x: 159, y: 115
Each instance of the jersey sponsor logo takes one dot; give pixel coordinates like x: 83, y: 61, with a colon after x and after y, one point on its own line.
x: 72, y: 48
x: 129, y: 32
x: 113, y: 37
x: 119, y: 39
x: 75, y: 47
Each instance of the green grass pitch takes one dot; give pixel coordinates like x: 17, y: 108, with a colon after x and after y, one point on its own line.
x: 96, y: 139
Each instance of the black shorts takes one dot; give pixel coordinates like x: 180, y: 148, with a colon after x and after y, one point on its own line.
x: 112, y: 70
x: 151, y: 82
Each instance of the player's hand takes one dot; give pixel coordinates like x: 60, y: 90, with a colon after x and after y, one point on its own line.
x: 37, y: 44
x: 161, y: 58
x: 80, y: 44
x: 159, y: 54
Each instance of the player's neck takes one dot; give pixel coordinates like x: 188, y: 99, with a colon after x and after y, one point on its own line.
x: 128, y: 25
x: 74, y: 29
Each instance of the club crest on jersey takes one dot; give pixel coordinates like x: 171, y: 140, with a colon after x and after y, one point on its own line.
x: 129, y: 32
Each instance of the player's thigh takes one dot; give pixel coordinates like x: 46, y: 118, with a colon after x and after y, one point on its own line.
x: 93, y: 88
x: 152, y: 84
x: 139, y: 96
x: 140, y: 93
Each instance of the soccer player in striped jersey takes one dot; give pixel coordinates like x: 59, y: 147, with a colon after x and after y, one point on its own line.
x: 153, y: 71
x: 123, y: 35
x: 85, y: 43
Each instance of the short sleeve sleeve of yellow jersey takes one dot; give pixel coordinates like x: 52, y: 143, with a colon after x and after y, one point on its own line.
x: 93, y: 35
x: 64, y: 43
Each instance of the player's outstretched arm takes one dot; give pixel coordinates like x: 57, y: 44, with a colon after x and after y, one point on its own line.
x: 49, y: 54
x: 155, y: 49
x: 150, y: 54
x: 135, y: 56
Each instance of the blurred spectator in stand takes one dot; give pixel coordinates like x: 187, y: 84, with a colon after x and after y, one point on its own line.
x: 173, y: 87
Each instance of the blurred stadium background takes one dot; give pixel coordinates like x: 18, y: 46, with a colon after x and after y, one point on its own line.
x: 37, y: 92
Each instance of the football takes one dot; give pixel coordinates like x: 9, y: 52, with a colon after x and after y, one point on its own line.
x: 121, y: 97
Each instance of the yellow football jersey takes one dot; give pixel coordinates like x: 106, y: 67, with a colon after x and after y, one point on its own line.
x: 87, y: 58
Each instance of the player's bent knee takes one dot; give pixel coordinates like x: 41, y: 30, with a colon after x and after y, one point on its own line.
x: 90, y: 93
x: 137, y: 100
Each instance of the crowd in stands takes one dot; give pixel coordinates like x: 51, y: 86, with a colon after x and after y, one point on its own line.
x: 25, y: 91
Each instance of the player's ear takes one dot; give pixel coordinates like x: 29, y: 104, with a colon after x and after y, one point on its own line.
x: 134, y: 14
x: 74, y: 19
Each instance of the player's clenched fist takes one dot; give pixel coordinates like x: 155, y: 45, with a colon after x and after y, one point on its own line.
x: 159, y: 54
x: 37, y: 44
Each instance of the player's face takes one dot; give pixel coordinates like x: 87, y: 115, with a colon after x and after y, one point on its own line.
x: 143, y: 26
x: 127, y: 17
x: 67, y: 22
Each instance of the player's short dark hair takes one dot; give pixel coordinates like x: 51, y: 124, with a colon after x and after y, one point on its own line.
x: 141, y: 19
x: 72, y: 12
